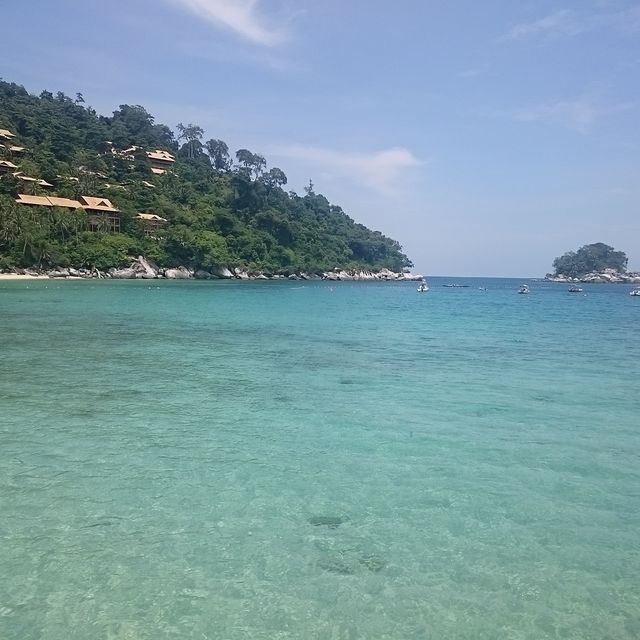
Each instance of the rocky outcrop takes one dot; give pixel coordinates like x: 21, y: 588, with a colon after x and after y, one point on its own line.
x: 240, y: 274
x: 222, y: 272
x: 58, y: 273
x: 122, y: 274
x: 143, y: 268
x: 608, y: 276
x: 181, y: 273
x: 384, y: 274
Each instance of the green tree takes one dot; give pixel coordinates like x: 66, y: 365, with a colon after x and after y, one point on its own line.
x: 251, y: 163
x: 191, y: 134
x: 590, y: 258
x: 215, y: 214
x: 219, y: 153
x: 274, y: 178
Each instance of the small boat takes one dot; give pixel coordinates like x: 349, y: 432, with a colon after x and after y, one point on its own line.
x: 455, y: 286
x: 523, y: 289
x: 575, y: 289
x: 423, y: 287
x: 635, y: 292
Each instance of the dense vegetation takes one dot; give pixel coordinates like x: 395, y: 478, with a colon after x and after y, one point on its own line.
x: 590, y: 258
x: 220, y: 210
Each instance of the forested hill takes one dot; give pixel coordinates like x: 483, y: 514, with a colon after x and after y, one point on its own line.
x: 213, y: 207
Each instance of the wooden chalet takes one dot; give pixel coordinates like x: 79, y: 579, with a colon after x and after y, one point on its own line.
x: 6, y: 166
x: 12, y: 150
x: 161, y: 161
x: 47, y: 201
x: 151, y: 223
x: 101, y: 214
x: 30, y: 184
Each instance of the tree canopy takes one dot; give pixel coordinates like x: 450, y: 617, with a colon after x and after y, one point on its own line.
x: 219, y: 213
x: 590, y: 258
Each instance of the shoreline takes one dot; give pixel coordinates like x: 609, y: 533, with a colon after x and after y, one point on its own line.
x: 144, y: 269
x: 22, y: 276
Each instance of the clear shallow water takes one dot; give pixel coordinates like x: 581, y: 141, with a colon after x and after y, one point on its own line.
x: 307, y: 460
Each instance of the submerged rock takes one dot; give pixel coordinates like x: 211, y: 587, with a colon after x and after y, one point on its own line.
x: 337, y: 565
x: 348, y: 564
x: 375, y: 564
x: 332, y: 522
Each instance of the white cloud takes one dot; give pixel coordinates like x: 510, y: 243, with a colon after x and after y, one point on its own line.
x: 574, y: 114
x: 240, y: 16
x: 379, y: 171
x: 563, y: 23
x: 578, y: 114
x: 567, y: 23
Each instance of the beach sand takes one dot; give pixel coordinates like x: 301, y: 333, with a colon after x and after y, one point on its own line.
x: 20, y: 276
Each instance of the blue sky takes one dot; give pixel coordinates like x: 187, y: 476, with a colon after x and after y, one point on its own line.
x: 487, y: 138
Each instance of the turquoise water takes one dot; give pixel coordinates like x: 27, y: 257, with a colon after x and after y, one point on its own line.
x: 312, y: 460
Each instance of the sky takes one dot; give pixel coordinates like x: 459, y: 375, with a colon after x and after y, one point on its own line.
x: 486, y: 137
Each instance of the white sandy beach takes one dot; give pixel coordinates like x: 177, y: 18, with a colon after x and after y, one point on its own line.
x: 20, y: 276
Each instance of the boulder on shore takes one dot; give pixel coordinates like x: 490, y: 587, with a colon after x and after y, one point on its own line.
x: 180, y: 273
x: 122, y: 274
x: 58, y: 273
x: 222, y: 272
x: 145, y: 267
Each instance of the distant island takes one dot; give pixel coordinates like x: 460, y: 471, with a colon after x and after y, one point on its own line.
x: 86, y: 194
x: 596, y: 262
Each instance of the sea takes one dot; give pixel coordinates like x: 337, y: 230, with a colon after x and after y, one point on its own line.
x: 319, y: 460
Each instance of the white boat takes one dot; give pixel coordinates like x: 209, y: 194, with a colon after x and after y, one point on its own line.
x: 524, y: 289
x: 635, y: 292
x: 423, y: 287
x: 575, y: 289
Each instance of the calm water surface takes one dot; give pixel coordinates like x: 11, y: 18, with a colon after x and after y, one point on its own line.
x: 313, y: 460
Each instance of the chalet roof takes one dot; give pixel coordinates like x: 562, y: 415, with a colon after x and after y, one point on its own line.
x: 13, y: 148
x: 91, y: 203
x: 64, y: 202
x: 151, y: 216
x: 9, y: 165
x: 5, y: 133
x: 159, y: 154
x: 50, y: 201
x: 158, y: 172
x: 42, y: 183
x: 24, y: 198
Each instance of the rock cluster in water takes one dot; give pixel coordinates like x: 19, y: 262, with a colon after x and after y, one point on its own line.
x: 142, y: 268
x: 606, y: 276
x: 339, y: 554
